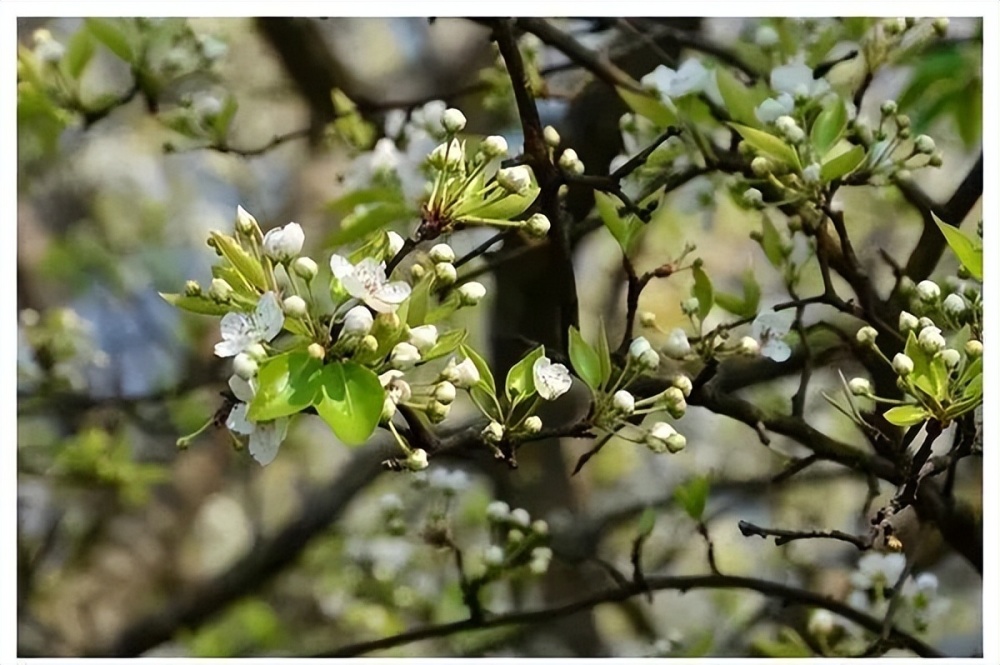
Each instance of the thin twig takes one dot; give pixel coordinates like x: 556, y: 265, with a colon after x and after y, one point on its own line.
x: 785, y: 536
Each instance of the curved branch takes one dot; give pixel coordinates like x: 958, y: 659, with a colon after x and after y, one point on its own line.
x: 790, y: 595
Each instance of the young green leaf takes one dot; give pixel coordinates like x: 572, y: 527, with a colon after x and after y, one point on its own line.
x: 196, y: 304
x: 603, y: 352
x: 692, y: 496
x: 771, y: 242
x: 968, y: 250
x: 486, y: 379
x: 520, y: 383
x: 349, y: 400
x: 907, y: 415
x: 828, y: 127
x: 929, y: 373
x: 585, y: 360
x: 368, y: 218
x: 446, y: 343
x: 113, y: 33
x: 769, y: 145
x: 79, y: 52
x: 702, y: 290
x: 839, y: 166
x: 625, y: 230
x: 286, y: 384
x: 240, y: 259
x: 649, y: 106
x: 646, y: 523
x: 739, y: 100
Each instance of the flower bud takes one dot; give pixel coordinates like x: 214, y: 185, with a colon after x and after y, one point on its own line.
x: 445, y: 274
x: 305, y: 268
x: 924, y: 144
x: 540, y: 527
x: 516, y: 179
x: 951, y: 358
x: 647, y: 319
x: 445, y: 392
x: 539, y: 565
x: 417, y: 460
x: 902, y: 364
x: 623, y: 402
x: 551, y: 136
x: 493, y: 433
x: 464, y: 374
x: 316, y: 351
x: 442, y: 253
x: 924, y: 322
x: 388, y: 410
x: 447, y: 155
x: 192, y: 288
x: 569, y: 162
x: 532, y: 425
x: 396, y: 243
x: 931, y: 340
x: 437, y: 412
x: 954, y: 304
x: 284, y: 244
x: 860, y: 386
x: 358, y: 321
x: 424, y: 337
x: 677, y: 345
x: 497, y: 511
x: 974, y: 348
x: 811, y: 173
x: 494, y: 146
x: 220, y: 290
x: 935, y: 160
x: 649, y: 360
x: 244, y: 366
x: 753, y: 198
x: 537, y: 226
x: 676, y: 442
x: 368, y: 344
x: 295, y: 307
x: 417, y: 272
x: 683, y: 384
x: 785, y: 123
x: 748, y: 346
x: 761, y: 166
x: 907, y: 322
x: 889, y: 107
x: 928, y: 291
x: 821, y: 622
x: 766, y: 37
x: 493, y: 556
x: 638, y: 347
x: 866, y: 336
x: 520, y: 517
x: 940, y: 26
x: 471, y: 293
x: 404, y: 356
x: 47, y: 49
x: 902, y: 121
x: 453, y: 120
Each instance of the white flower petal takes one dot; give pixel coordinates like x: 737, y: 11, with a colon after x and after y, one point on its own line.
x: 268, y: 318
x: 340, y: 266
x: 552, y: 380
x: 393, y: 294
x: 266, y: 439
x: 776, y: 350
x: 242, y: 389
x: 237, y: 420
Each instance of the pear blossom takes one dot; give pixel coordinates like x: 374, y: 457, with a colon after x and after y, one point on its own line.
x: 245, y: 222
x: 264, y: 437
x: 404, y: 356
x: 532, y: 424
x: 902, y: 364
x: 677, y: 345
x: 453, y: 120
x: 424, y: 337
x: 240, y: 330
x: 690, y: 78
x: 876, y: 570
x: 796, y: 79
x: 284, y: 243
x: 494, y: 146
x: 471, y: 293
x: 516, y: 179
x: 305, y: 268
x: 954, y: 304
x: 442, y: 253
x: 463, y: 375
x: 623, y: 402
x: 552, y: 380
x: 367, y: 281
x: 775, y: 107
x: 445, y: 392
x: 497, y: 511
x: 769, y: 329
x: 396, y: 242
x: 396, y: 388
x: 357, y: 321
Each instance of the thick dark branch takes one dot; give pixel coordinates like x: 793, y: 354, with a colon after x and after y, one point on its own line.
x: 784, y: 536
x: 790, y: 595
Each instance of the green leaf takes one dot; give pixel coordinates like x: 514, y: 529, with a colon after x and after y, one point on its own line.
x: 446, y: 343
x: 771, y: 242
x: 730, y: 303
x: 646, y: 523
x: 506, y: 208
x: 368, y: 218
x: 839, y: 166
x: 738, y: 98
x: 486, y: 379
x: 625, y: 230
x: 79, y: 52
x: 907, y: 415
x: 974, y: 389
x: 769, y: 145
x: 968, y: 250
x: 929, y: 373
x: 585, y: 360
x: 346, y: 204
x: 520, y: 383
x: 286, y: 384
x: 233, y: 278
x: 420, y: 298
x: 603, y: 352
x: 702, y: 290
x: 828, y: 127
x: 196, y: 304
x: 350, y: 401
x: 649, y: 106
x: 746, y: 306
x: 221, y: 122
x: 113, y: 33
x: 248, y: 266
x: 692, y: 496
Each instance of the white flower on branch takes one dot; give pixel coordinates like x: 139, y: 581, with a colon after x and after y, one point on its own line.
x: 239, y: 330
x: 367, y: 282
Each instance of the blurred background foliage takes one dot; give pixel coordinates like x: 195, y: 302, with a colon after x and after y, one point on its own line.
x: 138, y: 136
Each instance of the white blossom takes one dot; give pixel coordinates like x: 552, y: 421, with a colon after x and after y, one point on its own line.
x: 773, y: 108
x: 493, y: 432
x: 770, y: 328
x: 367, y: 281
x: 928, y: 291
x: 463, y: 375
x: 623, y: 402
x: 516, y: 179
x: 878, y: 570
x: 396, y: 242
x: 424, y: 337
x: 264, y: 437
x: 442, y: 253
x: 295, y: 307
x: 305, y: 268
x: 931, y: 340
x: 497, y: 511
x: 494, y: 146
x: 453, y: 120
x: 683, y: 384
x: 860, y: 386
x: 445, y: 392
x: 797, y: 80
x: 908, y: 322
x: 404, y: 356
x: 520, y: 517
x: 866, y: 336
x: 471, y: 293
x: 284, y: 243
x: 240, y: 330
x: 954, y: 304
x: 532, y: 424
x: 951, y: 358
x: 552, y: 380
x: 690, y: 78
x: 245, y: 222
x: 445, y: 273
x: 638, y: 347
x: 974, y: 348
x: 358, y: 321
x: 396, y: 387
x: 244, y: 366
x: 538, y: 225
x: 902, y: 364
